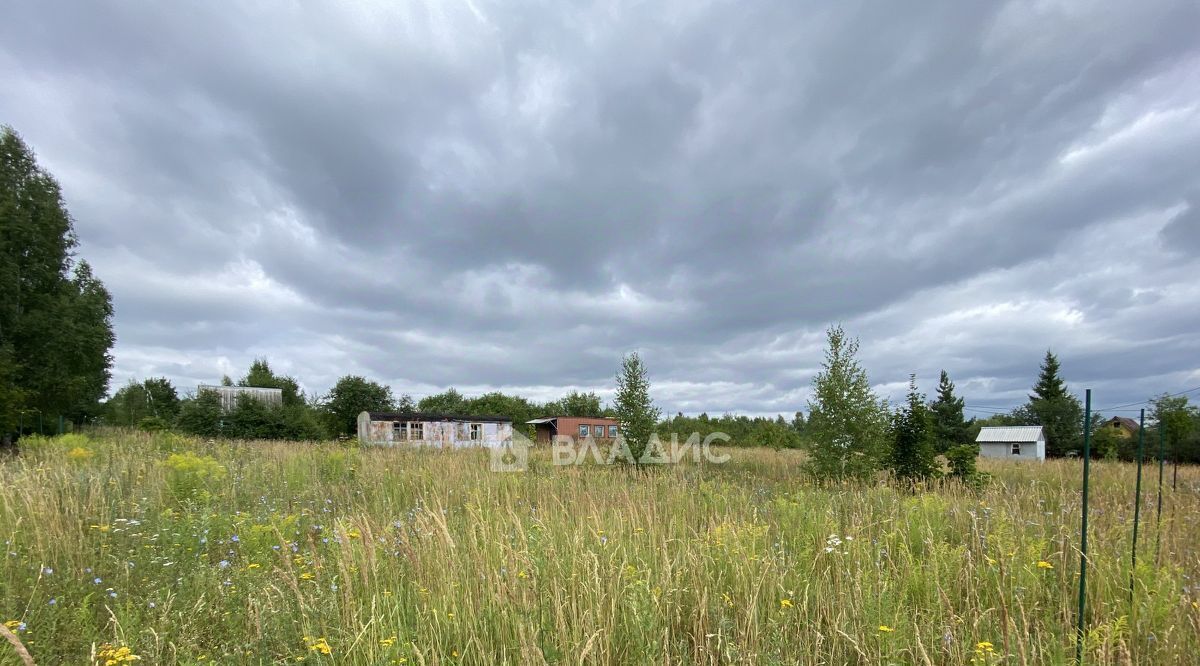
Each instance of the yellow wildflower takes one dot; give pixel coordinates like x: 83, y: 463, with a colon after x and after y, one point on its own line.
x: 320, y: 646
x: 785, y: 603
x: 388, y: 642
x: 307, y: 576
x: 884, y: 629
x: 253, y: 565
x: 1043, y: 564
x: 985, y: 646
x: 12, y: 624
x: 110, y: 655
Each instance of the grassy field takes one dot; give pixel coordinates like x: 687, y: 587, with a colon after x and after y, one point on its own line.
x: 180, y: 551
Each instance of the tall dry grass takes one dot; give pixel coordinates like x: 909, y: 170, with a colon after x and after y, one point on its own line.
x: 190, y: 552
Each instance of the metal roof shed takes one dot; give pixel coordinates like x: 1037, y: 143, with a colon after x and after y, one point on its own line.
x: 1013, y: 442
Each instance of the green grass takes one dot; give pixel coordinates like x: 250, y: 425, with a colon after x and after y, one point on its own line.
x: 426, y: 557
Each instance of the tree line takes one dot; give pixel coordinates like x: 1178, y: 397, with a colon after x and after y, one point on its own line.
x: 852, y: 433
x: 155, y: 404
x: 55, y: 314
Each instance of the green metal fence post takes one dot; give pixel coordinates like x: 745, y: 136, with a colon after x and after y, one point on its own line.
x: 1137, y: 499
x: 1087, y: 463
x: 1158, y: 518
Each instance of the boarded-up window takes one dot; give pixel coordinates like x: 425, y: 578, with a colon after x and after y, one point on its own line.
x: 399, y: 430
x: 416, y: 430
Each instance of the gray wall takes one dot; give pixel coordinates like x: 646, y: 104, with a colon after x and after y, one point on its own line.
x: 1029, y: 450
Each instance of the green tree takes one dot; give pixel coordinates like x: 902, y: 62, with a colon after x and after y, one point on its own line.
x: 350, y: 396
x: 576, y: 404
x: 262, y: 376
x: 847, y: 424
x: 154, y: 397
x: 448, y: 402
x: 1056, y: 410
x: 252, y: 418
x: 55, y: 315
x: 912, y: 455
x: 1178, y: 421
x: 949, y: 426
x: 201, y: 415
x: 636, y: 415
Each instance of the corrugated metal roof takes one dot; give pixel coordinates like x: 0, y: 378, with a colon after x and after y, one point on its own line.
x: 537, y: 421
x: 1009, y: 434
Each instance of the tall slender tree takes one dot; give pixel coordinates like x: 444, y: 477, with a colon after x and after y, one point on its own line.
x: 949, y: 426
x: 636, y: 414
x: 912, y: 456
x: 1058, y: 411
x: 847, y: 424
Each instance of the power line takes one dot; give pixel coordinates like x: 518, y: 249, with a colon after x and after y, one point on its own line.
x: 1143, y: 402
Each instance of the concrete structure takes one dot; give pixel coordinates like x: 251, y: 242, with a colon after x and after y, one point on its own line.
x: 272, y: 397
x: 579, y: 427
x: 1012, y: 442
x: 438, y: 430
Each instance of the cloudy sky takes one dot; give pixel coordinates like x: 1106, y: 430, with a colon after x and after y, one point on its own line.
x: 510, y: 195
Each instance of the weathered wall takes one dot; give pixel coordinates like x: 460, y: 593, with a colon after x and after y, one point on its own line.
x: 441, y: 434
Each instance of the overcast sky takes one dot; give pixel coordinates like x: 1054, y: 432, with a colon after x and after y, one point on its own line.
x: 510, y: 195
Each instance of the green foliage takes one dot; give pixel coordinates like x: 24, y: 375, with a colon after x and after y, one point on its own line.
x: 636, y: 415
x: 154, y: 397
x: 201, y: 415
x: 576, y: 404
x: 448, y: 402
x: 1179, y: 421
x: 912, y: 455
x: 742, y: 430
x: 962, y: 459
x: 152, y: 424
x: 1056, y: 410
x: 950, y: 429
x: 193, y: 477
x: 55, y: 315
x: 349, y: 397
x: 847, y: 424
x: 251, y: 418
x: 261, y: 376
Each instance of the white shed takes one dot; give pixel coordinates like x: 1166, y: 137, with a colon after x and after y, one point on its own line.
x: 1014, y: 442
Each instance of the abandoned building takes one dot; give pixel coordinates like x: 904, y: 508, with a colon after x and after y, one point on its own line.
x: 579, y: 427
x: 1014, y: 442
x: 438, y: 430
x: 272, y: 397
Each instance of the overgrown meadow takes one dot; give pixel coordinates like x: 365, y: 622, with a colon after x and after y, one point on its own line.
x: 131, y: 546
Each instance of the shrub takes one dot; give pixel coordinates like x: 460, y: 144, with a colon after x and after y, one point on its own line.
x: 152, y: 424
x: 189, y: 476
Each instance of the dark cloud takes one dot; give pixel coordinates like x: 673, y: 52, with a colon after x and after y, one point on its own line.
x: 509, y: 195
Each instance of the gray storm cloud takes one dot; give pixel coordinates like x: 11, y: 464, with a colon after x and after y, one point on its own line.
x: 511, y: 195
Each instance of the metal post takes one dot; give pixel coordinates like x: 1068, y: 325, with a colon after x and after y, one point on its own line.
x: 1087, y: 461
x: 1158, y: 518
x: 1137, y: 499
